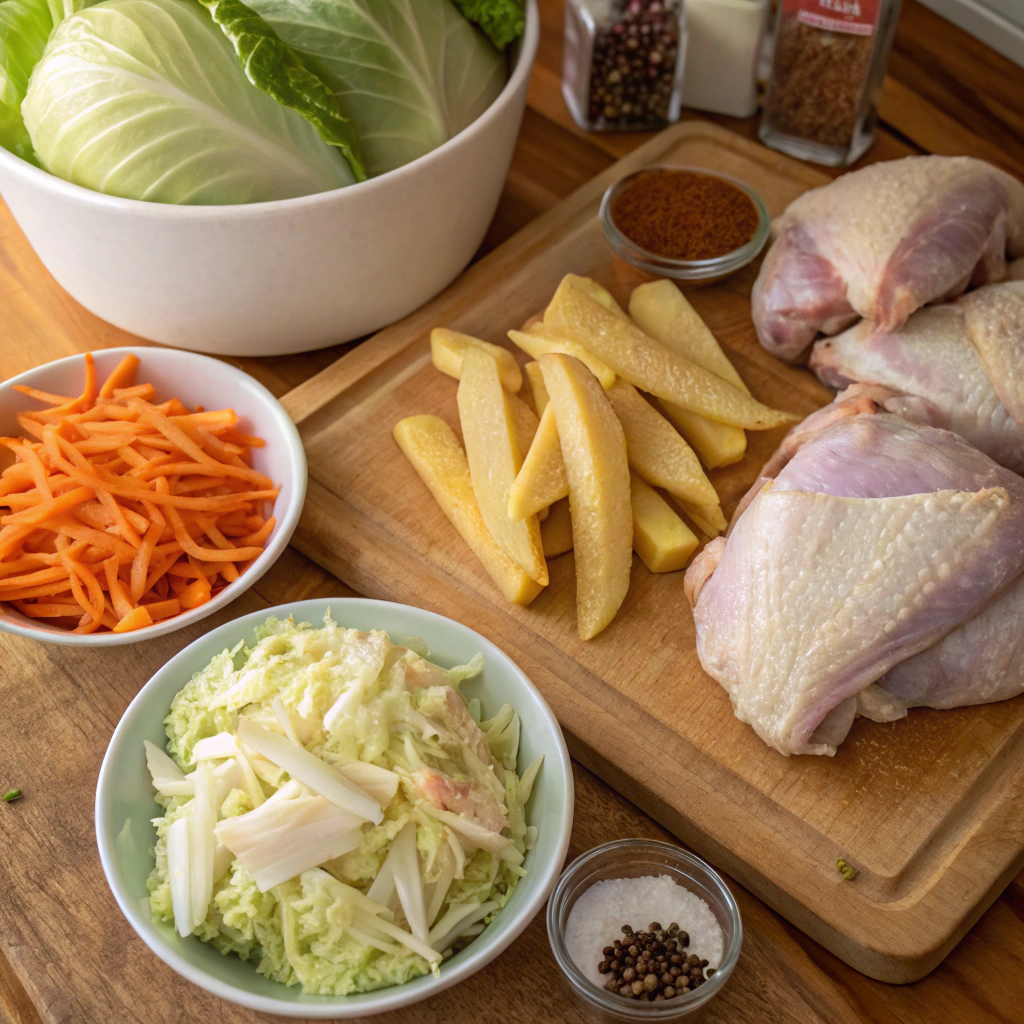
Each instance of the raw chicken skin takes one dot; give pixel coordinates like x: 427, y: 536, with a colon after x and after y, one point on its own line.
x: 935, y: 370
x: 994, y: 323
x: 877, y: 539
x: 882, y: 242
x: 986, y: 652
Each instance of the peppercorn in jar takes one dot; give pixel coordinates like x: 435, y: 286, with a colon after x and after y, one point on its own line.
x: 623, y: 62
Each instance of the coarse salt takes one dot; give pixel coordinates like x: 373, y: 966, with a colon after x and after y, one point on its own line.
x: 597, y: 917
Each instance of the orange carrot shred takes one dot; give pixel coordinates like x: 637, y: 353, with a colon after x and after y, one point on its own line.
x: 195, y: 594
x: 137, y: 618
x: 123, y: 375
x: 104, y: 511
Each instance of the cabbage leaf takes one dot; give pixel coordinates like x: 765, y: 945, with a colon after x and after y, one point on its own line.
x: 145, y: 99
x: 502, y: 20
x: 25, y: 26
x: 272, y: 67
x: 409, y: 73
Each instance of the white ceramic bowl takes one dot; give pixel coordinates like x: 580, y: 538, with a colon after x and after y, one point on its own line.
x: 196, y: 380
x: 287, y: 276
x: 125, y: 805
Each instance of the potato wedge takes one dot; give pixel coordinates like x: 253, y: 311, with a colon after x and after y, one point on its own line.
x: 537, y: 343
x: 556, y: 532
x: 655, y: 449
x: 495, y: 457
x: 594, y: 449
x: 717, y: 444
x: 447, y: 348
x: 436, y: 455
x: 539, y: 391
x: 709, y: 519
x: 541, y: 481
x: 648, y: 365
x: 524, y: 421
x: 661, y: 310
x: 598, y: 293
x: 661, y: 539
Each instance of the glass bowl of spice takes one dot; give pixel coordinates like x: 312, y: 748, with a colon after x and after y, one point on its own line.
x: 684, y: 222
x: 643, y: 931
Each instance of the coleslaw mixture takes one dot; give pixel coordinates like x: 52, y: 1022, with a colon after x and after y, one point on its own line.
x: 335, y: 810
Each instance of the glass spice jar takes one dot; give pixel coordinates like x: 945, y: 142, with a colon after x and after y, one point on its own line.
x: 622, y: 65
x: 826, y: 77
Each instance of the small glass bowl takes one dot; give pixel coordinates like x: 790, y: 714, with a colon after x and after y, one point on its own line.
x: 634, y: 858
x: 704, y: 271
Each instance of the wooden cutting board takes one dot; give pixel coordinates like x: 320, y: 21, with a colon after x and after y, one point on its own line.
x: 927, y: 809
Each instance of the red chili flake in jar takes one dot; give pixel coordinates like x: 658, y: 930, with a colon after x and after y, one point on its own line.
x: 685, y: 215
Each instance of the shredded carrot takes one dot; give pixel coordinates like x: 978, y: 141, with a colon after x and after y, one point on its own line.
x: 195, y: 594
x: 50, y: 507
x: 52, y: 610
x: 135, y: 619
x: 163, y: 609
x: 122, y: 377
x: 104, y: 512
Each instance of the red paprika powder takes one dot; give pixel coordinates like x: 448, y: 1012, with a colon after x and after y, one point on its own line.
x: 684, y: 215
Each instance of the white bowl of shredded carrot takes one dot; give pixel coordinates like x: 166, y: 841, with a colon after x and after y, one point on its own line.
x: 140, y: 491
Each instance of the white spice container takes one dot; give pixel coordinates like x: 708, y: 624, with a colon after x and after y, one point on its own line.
x: 716, y: 925
x: 722, y: 54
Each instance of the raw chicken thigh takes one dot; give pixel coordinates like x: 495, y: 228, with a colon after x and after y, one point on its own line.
x: 959, y: 366
x: 881, y: 243
x: 882, y: 568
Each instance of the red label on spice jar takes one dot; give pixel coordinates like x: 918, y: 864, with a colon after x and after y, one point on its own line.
x: 857, y: 17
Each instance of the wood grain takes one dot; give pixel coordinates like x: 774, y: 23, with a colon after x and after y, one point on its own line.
x: 924, y: 809
x: 783, y: 976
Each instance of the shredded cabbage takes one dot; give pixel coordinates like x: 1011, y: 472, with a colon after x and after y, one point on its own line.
x: 310, y: 881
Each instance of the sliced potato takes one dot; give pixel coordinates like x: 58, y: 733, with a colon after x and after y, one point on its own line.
x: 541, y: 480
x: 661, y: 539
x: 447, y: 348
x: 556, y: 532
x: 594, y: 449
x: 598, y: 293
x: 524, y: 420
x: 717, y: 444
x: 709, y: 519
x: 655, y: 449
x: 650, y: 366
x: 436, y: 455
x: 495, y: 457
x: 661, y: 310
x: 540, y: 342
x: 539, y: 391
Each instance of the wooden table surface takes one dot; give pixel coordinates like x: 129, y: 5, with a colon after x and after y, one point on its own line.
x: 945, y: 93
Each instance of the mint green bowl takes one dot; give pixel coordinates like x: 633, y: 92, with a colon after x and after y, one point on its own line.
x: 125, y: 805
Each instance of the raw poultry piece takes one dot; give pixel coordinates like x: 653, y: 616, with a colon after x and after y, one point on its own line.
x: 958, y: 365
x: 877, y: 565
x: 882, y: 242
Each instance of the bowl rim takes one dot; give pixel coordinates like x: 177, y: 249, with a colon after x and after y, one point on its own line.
x: 528, y: 44
x: 278, y: 541
x: 598, y: 998
x: 683, y: 270
x: 385, y: 999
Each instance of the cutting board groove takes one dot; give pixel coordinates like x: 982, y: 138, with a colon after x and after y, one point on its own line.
x: 926, y: 808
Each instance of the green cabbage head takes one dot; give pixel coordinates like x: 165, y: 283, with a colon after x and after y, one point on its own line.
x: 409, y: 74
x: 145, y: 99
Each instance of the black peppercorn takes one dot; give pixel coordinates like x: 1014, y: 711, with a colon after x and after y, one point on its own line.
x: 633, y: 67
x: 653, y: 966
